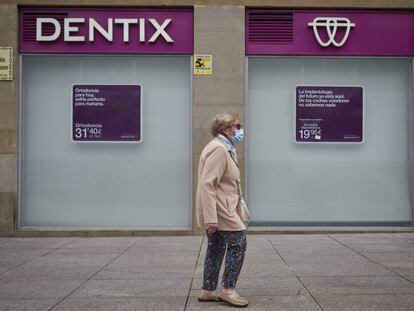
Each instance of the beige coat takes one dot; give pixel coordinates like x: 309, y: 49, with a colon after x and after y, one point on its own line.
x: 218, y: 188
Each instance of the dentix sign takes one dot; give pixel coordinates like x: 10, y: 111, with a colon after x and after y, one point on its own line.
x: 71, y: 27
x: 104, y: 31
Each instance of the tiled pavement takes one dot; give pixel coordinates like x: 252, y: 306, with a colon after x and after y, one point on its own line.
x: 281, y: 272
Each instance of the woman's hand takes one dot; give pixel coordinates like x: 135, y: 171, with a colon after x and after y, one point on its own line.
x: 211, y: 228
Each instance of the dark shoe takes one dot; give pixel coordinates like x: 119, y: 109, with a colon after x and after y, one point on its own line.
x: 237, y: 301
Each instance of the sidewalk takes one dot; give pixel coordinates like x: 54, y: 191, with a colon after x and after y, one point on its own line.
x: 281, y: 272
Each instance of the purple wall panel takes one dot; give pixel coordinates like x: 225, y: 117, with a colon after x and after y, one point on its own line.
x: 180, y: 29
x: 374, y: 34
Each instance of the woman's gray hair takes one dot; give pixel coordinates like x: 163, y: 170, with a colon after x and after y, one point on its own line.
x: 220, y: 122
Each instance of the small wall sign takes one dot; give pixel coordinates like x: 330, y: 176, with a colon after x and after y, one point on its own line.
x: 6, y: 63
x: 203, y: 64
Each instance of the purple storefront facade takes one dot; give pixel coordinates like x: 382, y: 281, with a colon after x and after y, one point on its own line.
x: 113, y: 116
x: 334, y: 89
x: 100, y: 89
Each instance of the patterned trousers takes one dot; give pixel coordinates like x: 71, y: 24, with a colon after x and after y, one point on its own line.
x: 236, y: 243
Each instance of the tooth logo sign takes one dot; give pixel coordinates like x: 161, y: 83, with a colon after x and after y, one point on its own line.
x: 331, y: 24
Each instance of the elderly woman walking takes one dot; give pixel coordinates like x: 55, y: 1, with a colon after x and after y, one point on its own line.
x: 221, y: 211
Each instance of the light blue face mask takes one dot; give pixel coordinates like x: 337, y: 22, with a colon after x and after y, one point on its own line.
x: 238, y: 136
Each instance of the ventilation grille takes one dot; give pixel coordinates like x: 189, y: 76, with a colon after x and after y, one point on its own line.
x: 270, y: 27
x: 29, y: 25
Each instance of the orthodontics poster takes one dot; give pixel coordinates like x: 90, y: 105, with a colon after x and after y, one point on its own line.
x: 106, y: 113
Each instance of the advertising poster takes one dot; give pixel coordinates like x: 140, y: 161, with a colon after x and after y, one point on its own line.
x: 106, y: 113
x: 331, y: 114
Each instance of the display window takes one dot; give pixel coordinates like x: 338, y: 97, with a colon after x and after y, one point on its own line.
x: 105, y: 118
x: 329, y: 117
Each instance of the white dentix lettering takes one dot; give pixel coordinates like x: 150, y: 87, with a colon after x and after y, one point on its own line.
x: 160, y: 30
x: 68, y: 28
x: 126, y: 22
x: 93, y: 25
x: 90, y: 29
x: 39, y: 27
x: 142, y: 30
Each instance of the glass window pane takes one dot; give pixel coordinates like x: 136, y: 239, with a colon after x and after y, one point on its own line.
x: 106, y: 184
x: 368, y: 182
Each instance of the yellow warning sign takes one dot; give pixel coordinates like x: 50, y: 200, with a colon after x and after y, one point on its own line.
x: 203, y: 64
